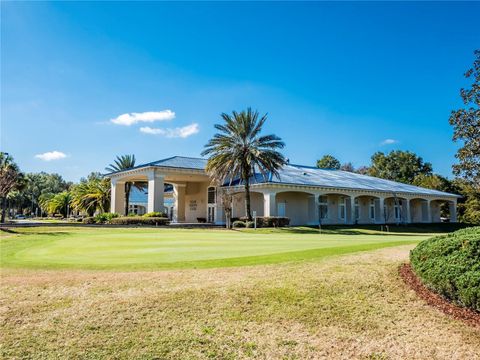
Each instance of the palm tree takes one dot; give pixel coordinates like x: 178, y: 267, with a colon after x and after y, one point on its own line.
x: 91, y: 195
x: 10, y: 179
x: 121, y: 163
x: 238, y: 150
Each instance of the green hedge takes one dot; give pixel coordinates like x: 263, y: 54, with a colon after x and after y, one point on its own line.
x: 450, y: 265
x: 155, y: 214
x: 139, y: 220
x: 270, y: 221
x: 238, y: 224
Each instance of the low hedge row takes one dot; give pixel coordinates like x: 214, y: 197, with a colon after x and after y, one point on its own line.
x: 270, y: 221
x: 262, y: 221
x: 115, y: 219
x: 450, y: 265
x: 140, y: 220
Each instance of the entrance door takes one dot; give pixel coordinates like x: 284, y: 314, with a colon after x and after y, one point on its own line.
x: 281, y: 209
x: 211, y: 213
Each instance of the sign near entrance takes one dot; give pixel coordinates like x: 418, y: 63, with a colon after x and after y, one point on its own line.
x: 193, y: 205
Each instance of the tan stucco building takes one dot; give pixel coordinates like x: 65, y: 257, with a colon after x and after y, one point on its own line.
x: 307, y: 195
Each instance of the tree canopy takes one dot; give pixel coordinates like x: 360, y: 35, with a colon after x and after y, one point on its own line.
x: 328, y: 162
x: 238, y: 150
x: 401, y: 166
x: 466, y: 127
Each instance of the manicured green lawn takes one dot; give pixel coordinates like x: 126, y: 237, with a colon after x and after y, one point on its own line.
x: 136, y: 249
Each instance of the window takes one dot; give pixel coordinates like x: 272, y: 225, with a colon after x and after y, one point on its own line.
x: 212, y: 195
x: 372, y: 209
x: 342, y: 208
x: 357, y: 209
x: 323, y: 207
x: 397, y: 210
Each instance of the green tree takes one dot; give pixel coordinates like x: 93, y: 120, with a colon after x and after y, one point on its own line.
x: 469, y: 205
x: 60, y: 203
x: 91, y: 195
x: 433, y: 181
x: 11, y: 179
x: 402, y: 166
x: 121, y: 163
x: 328, y: 162
x: 37, y: 184
x: 466, y: 127
x: 238, y: 150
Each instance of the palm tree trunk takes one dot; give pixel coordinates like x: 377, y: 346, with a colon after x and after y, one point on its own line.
x: 248, y: 209
x: 128, y: 187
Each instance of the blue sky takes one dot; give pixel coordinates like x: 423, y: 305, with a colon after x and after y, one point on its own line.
x: 338, y: 78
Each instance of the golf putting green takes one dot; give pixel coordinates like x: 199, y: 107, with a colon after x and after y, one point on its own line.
x: 137, y: 248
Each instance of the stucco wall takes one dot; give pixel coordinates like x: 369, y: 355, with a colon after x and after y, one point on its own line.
x: 195, y: 201
x: 256, y: 204
x: 296, y: 207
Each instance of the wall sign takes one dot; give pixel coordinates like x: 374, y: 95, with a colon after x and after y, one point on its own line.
x: 193, y: 205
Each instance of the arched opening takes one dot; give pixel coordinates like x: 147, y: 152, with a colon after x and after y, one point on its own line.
x: 395, y: 210
x: 367, y: 210
x: 443, y: 211
x: 298, y: 206
x: 335, y: 208
x: 419, y: 210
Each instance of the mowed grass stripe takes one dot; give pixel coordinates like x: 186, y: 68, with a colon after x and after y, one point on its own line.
x: 131, y: 249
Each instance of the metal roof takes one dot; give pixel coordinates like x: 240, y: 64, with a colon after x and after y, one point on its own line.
x: 309, y: 176
x: 305, y: 175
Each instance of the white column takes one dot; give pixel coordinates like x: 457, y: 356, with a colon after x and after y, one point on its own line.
x: 381, y: 211
x: 179, y: 196
x: 428, y: 212
x: 117, y: 197
x: 155, y: 192
x: 408, y: 218
x: 452, y: 208
x: 352, y: 209
x: 269, y: 204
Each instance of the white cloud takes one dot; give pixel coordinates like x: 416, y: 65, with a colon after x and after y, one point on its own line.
x: 389, y: 142
x: 51, y: 155
x: 148, y: 116
x: 179, y: 132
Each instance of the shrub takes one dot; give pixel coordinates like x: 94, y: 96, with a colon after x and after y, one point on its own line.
x: 450, y: 265
x: 238, y: 224
x: 139, y: 220
x: 105, y: 217
x: 271, y: 221
x: 89, y: 220
x: 250, y: 224
x: 155, y: 214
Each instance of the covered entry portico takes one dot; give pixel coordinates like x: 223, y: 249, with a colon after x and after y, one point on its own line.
x: 193, y: 198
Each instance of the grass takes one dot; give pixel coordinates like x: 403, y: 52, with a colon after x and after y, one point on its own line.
x: 140, y: 249
x: 350, y: 306
x: 56, y: 302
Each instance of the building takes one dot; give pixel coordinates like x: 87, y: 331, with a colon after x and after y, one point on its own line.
x: 307, y: 195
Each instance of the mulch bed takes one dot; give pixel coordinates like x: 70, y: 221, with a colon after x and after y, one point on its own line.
x: 469, y: 316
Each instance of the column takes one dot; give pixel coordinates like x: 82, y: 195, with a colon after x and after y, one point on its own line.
x: 155, y: 192
x: 427, y: 216
x: 117, y: 197
x: 352, y: 210
x: 452, y: 208
x: 408, y: 218
x: 269, y: 204
x: 179, y: 196
x: 381, y: 211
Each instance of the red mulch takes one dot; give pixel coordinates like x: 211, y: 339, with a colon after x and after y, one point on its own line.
x: 469, y: 316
